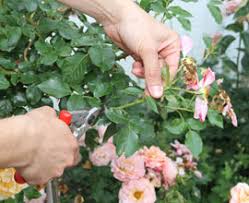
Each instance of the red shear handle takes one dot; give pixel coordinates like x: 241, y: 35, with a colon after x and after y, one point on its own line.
x: 64, y: 116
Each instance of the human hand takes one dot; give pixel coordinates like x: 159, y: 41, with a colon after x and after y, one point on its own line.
x: 151, y: 44
x: 52, y: 147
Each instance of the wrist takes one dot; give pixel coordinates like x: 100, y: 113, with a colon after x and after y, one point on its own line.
x: 116, y: 11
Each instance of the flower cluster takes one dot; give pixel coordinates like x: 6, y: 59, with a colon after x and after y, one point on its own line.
x: 140, y: 174
x: 201, y: 84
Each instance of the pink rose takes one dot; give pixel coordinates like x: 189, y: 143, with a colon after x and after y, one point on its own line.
x: 240, y: 193
x: 201, y: 102
x: 169, y: 173
x: 186, y: 44
x: 154, y: 157
x: 137, y: 191
x: 201, y: 109
x: 126, y: 169
x: 208, y: 77
x: 231, y: 6
x: 103, y: 155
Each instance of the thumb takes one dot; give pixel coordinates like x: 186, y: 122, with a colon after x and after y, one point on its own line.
x: 152, y: 73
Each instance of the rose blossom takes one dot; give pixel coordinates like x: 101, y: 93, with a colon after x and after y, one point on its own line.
x: 201, y: 102
x: 231, y: 6
x: 240, y: 193
x: 169, y: 173
x: 137, y: 191
x: 103, y: 155
x: 154, y: 157
x: 126, y: 169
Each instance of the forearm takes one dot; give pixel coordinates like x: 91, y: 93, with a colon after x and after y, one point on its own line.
x: 15, y: 147
x: 104, y: 11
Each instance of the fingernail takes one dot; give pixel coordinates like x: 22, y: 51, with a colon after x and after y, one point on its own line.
x: 156, y: 91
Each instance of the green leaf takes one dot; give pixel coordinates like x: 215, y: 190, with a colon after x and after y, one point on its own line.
x: 4, y: 83
x: 28, y: 77
x: 55, y: 87
x: 7, y: 64
x: 9, y: 37
x: 31, y: 5
x: 67, y: 30
x: 102, y: 89
x: 133, y: 91
x: 215, y: 118
x: 62, y: 48
x: 216, y: 12
x: 243, y: 11
x: 177, y: 10
x: 47, y: 52
x: 76, y: 102
x: 176, y: 126
x: 5, y: 108
x: 102, y: 57
x: 31, y: 193
x: 116, y: 116
x: 74, y: 68
x: 207, y: 40
x: 47, y: 25
x: 126, y: 141
x: 196, y: 124
x: 225, y: 42
x: 186, y: 24
x: 245, y: 37
x: 33, y: 94
x: 194, y: 143
x: 151, y: 104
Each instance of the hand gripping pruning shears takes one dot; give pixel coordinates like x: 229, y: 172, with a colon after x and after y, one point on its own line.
x: 79, y: 122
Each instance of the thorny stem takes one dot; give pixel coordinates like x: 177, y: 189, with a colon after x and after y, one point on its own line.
x: 238, y: 58
x: 142, y: 100
x: 179, y: 89
x: 26, y: 50
x: 137, y: 101
x: 179, y: 109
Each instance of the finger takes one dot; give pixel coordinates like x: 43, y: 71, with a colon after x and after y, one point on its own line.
x: 170, y: 51
x: 137, y: 69
x: 48, y: 111
x: 152, y: 72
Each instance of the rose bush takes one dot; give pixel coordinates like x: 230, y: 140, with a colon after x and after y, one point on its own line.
x: 137, y: 154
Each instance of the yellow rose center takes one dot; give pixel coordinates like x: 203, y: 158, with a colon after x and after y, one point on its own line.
x: 138, y: 195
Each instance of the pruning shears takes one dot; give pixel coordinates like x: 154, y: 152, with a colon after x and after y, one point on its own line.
x: 79, y: 122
